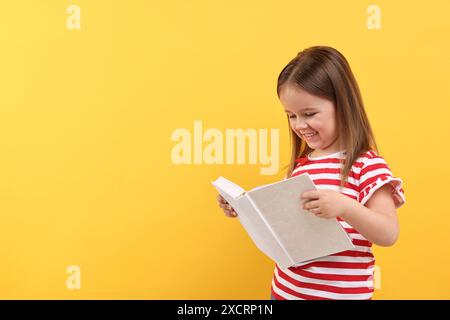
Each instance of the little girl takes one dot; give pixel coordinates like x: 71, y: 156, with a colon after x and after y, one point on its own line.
x: 333, y: 142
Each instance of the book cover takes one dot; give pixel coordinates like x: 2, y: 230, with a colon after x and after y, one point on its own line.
x: 273, y: 217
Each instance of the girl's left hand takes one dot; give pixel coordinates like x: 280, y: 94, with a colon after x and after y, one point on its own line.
x: 325, y: 204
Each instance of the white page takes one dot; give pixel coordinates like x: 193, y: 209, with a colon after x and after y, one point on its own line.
x: 249, y: 218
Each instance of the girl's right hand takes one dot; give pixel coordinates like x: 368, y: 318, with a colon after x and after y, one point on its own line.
x: 229, y: 211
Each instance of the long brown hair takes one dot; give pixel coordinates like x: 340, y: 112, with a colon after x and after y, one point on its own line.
x: 323, y: 71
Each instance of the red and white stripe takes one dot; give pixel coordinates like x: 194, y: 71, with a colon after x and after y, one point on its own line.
x: 348, y: 274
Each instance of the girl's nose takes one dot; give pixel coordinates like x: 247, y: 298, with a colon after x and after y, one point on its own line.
x: 301, y: 125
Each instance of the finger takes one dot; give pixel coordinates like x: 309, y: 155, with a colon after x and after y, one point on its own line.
x: 230, y: 213
x: 315, y: 211
x: 230, y: 209
x: 318, y: 213
x: 221, y: 198
x: 223, y: 203
x: 313, y: 194
x: 310, y: 204
x: 321, y: 215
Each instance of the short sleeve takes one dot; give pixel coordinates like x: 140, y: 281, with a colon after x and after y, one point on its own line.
x: 375, y: 173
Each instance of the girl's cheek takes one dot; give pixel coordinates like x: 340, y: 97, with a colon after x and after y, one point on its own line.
x: 315, y: 123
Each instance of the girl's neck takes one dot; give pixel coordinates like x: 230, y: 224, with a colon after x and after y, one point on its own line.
x: 321, y: 153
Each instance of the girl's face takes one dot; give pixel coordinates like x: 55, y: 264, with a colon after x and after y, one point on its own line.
x: 312, y: 118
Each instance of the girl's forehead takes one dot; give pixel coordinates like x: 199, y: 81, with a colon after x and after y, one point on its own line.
x: 296, y: 99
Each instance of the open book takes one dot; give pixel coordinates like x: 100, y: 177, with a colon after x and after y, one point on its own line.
x: 273, y: 216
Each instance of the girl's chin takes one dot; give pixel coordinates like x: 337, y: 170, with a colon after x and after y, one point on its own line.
x: 314, y: 140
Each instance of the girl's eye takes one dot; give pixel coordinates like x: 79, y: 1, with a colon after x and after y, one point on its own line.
x: 306, y: 114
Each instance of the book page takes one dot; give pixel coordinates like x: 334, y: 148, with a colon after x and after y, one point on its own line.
x: 230, y: 188
x: 250, y: 219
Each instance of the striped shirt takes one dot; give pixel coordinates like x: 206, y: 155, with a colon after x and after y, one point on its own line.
x: 347, y: 274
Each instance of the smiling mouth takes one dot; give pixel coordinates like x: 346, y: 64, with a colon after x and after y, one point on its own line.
x: 309, y: 135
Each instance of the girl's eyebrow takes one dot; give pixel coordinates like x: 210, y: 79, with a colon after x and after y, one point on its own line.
x: 306, y: 109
